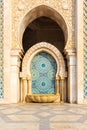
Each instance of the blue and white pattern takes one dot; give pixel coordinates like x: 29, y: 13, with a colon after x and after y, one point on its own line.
x: 1, y: 49
x: 43, y: 70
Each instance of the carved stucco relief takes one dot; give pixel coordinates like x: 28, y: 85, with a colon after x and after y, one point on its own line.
x: 64, y: 7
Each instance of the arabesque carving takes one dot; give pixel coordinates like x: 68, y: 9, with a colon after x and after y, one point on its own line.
x: 64, y: 7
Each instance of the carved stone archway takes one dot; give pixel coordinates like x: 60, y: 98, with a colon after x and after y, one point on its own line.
x: 50, y: 49
x: 25, y: 13
x: 26, y: 72
x: 47, y: 11
x: 42, y: 10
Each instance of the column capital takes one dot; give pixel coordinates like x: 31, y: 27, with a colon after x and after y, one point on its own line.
x: 58, y: 77
x: 23, y: 75
x: 28, y: 78
x: 17, y: 53
x: 70, y: 53
x: 24, y: 78
x: 62, y: 78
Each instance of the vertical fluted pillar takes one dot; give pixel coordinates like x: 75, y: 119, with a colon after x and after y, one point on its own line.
x: 29, y: 86
x: 21, y: 89
x: 57, y: 85
x: 14, y: 89
x: 72, y: 90
x: 63, y: 91
x: 81, y: 45
x: 24, y: 89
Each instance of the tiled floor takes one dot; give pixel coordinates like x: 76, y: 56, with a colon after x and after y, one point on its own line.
x: 36, y: 116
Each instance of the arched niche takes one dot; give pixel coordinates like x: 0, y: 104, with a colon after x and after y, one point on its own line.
x: 43, y: 29
x: 40, y: 47
x: 39, y: 11
x: 43, y: 72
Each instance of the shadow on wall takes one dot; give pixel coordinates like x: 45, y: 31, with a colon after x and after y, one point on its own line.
x: 43, y: 29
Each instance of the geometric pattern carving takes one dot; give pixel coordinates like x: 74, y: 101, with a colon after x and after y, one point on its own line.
x: 43, y: 71
x: 85, y: 48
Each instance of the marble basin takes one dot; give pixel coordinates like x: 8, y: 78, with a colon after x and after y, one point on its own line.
x: 44, y: 98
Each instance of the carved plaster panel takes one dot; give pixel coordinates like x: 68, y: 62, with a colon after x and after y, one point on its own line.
x: 64, y: 7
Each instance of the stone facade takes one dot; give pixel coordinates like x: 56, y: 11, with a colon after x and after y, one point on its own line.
x: 17, y: 16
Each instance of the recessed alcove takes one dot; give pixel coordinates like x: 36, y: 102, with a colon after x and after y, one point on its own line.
x: 44, y: 32
x: 43, y: 29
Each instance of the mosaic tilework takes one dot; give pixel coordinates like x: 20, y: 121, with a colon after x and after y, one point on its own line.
x: 1, y: 48
x: 43, y: 70
x: 85, y: 48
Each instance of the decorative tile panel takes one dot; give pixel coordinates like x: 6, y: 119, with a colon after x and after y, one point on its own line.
x: 1, y: 48
x: 43, y: 70
x: 85, y: 48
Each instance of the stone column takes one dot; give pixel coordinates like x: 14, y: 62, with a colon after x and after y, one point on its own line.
x: 57, y: 85
x: 72, y: 90
x: 80, y: 48
x: 63, y: 89
x: 24, y: 89
x: 14, y: 87
x: 29, y: 86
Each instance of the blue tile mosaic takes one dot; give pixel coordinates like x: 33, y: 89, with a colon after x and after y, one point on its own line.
x: 43, y: 70
x: 85, y: 48
x: 1, y: 50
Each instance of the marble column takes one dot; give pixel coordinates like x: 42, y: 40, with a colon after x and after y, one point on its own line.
x: 57, y: 85
x: 24, y: 89
x: 72, y: 90
x: 29, y: 86
x: 80, y: 47
x: 63, y: 89
x: 14, y: 87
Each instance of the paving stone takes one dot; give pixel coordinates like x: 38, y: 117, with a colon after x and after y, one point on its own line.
x: 44, y: 114
x: 78, y: 111
x: 10, y: 111
x: 66, y: 118
x: 56, y: 126
x: 23, y: 118
x: 48, y: 116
